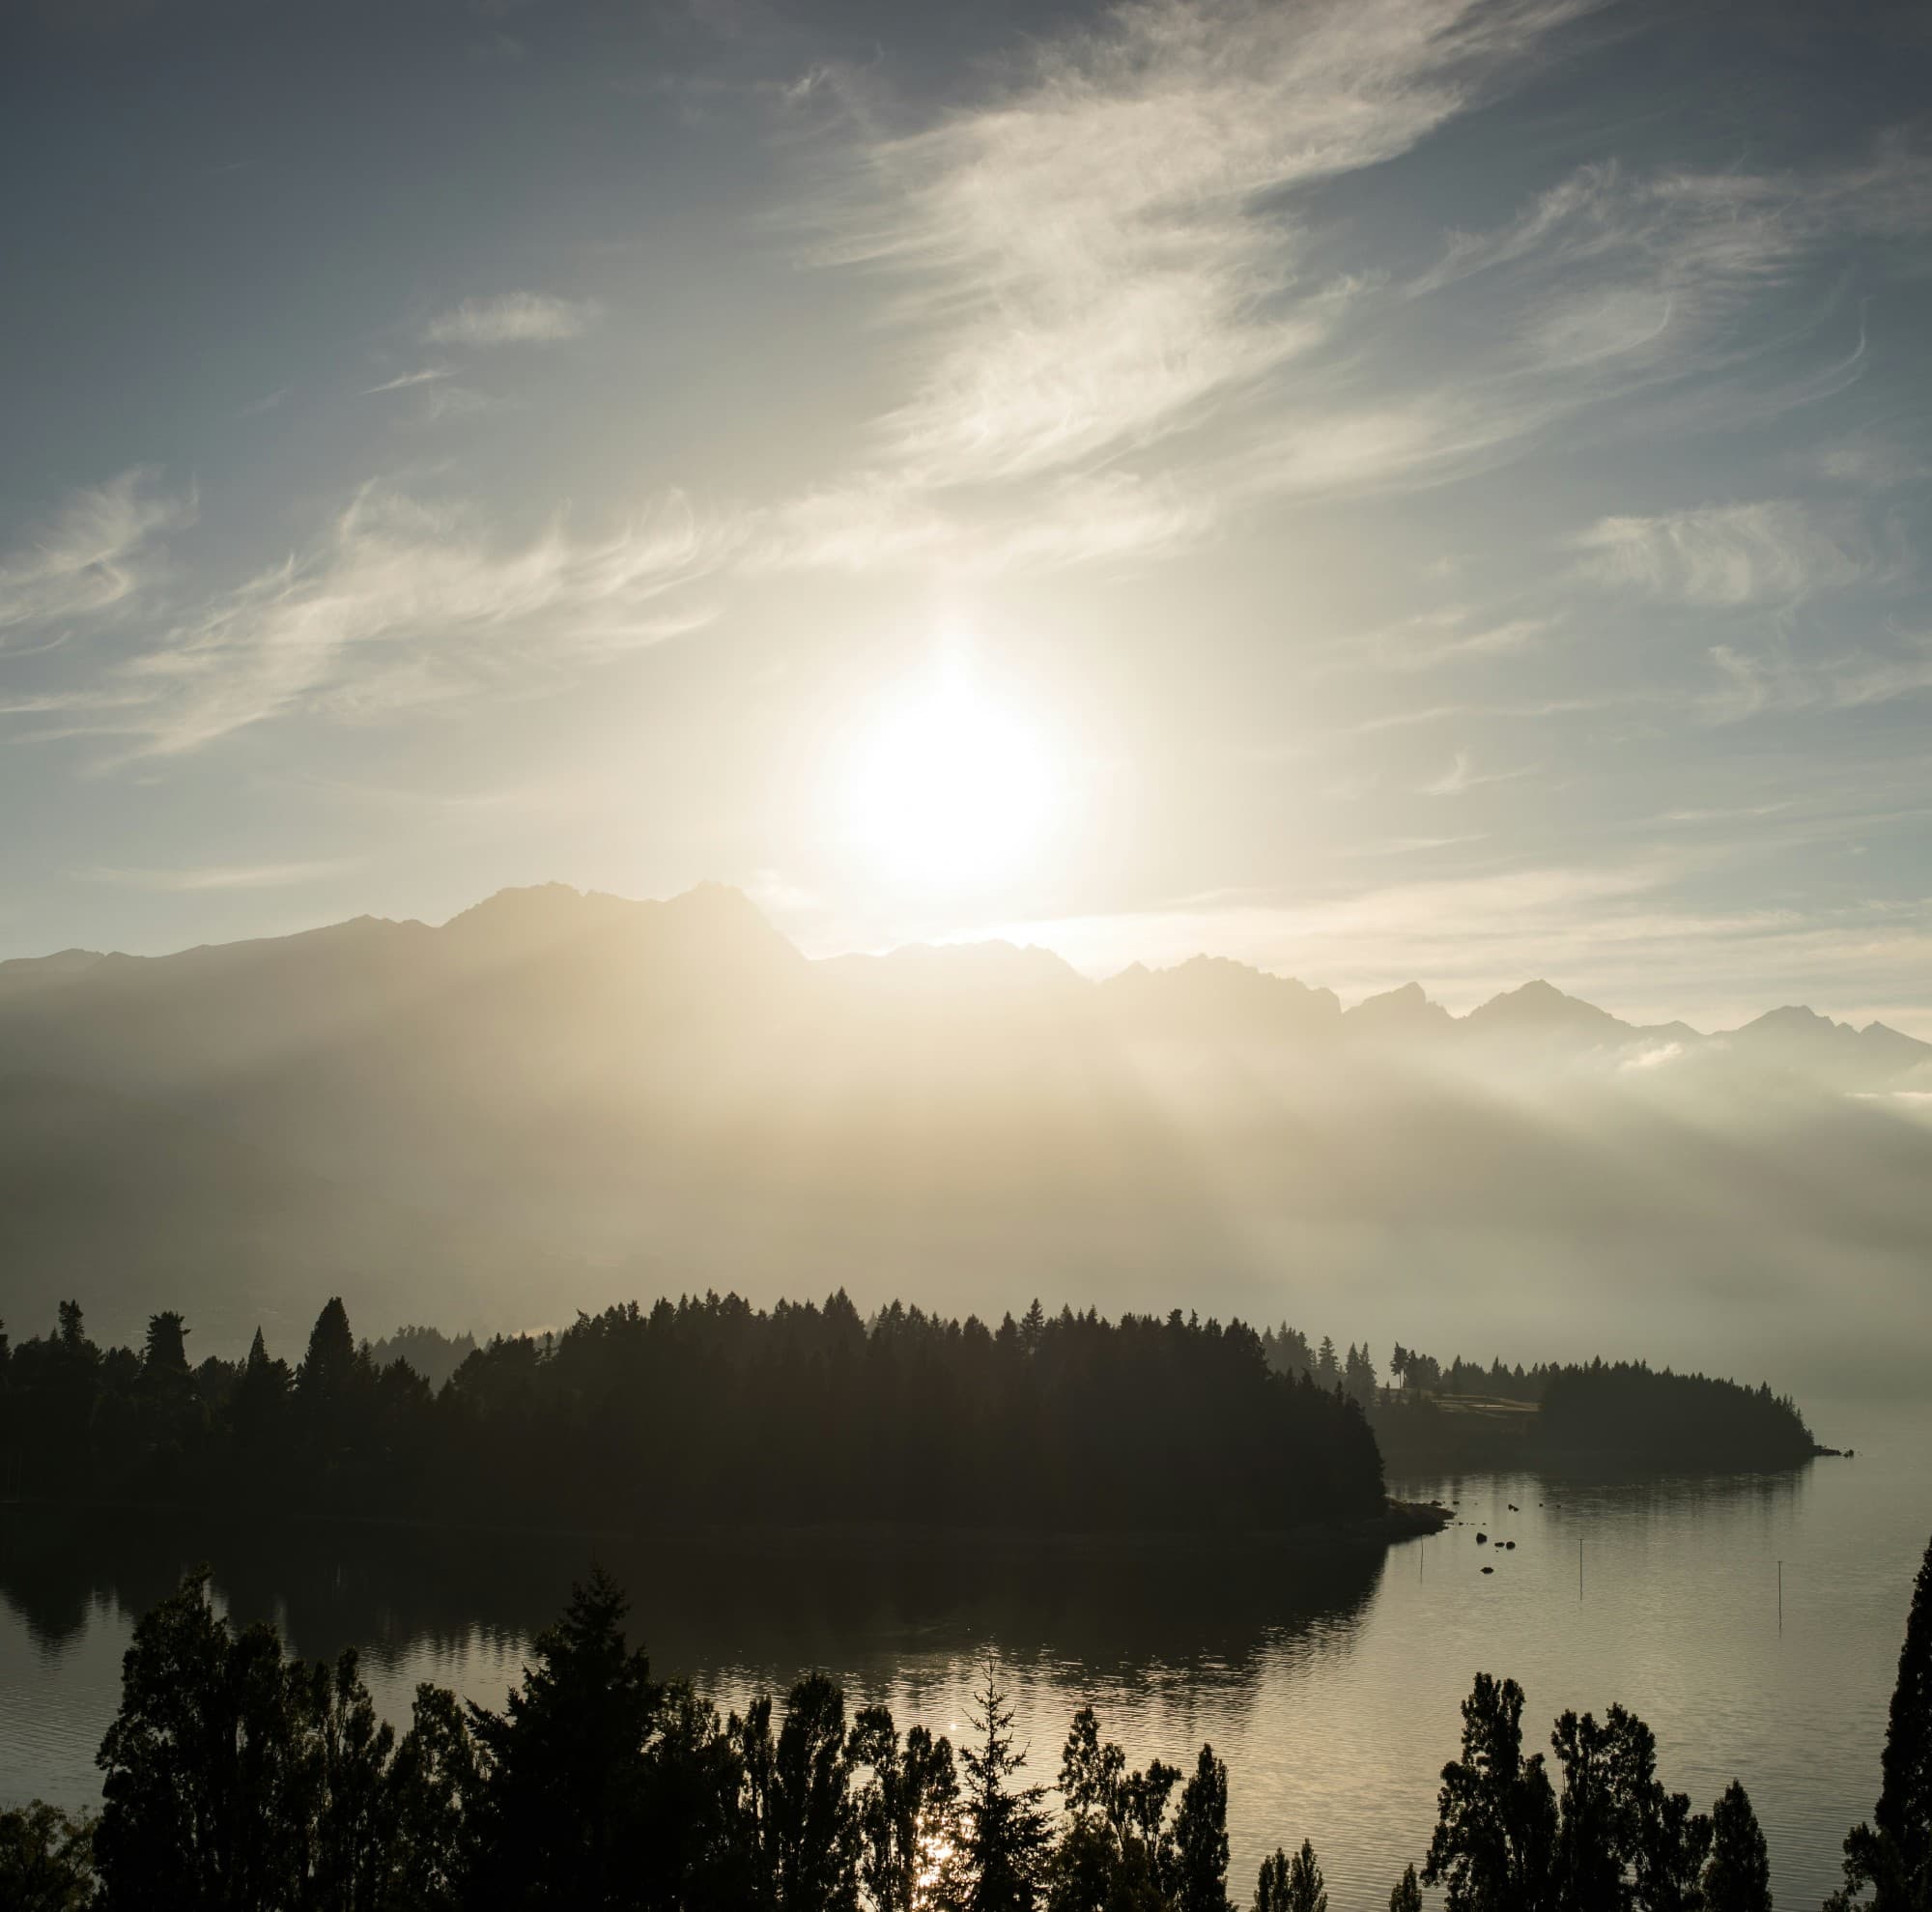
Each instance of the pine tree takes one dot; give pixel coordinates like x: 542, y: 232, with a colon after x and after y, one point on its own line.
x: 1894, y: 1856
x: 331, y: 1360
x: 1738, y: 1876
x: 1408, y: 1893
x: 1007, y: 1830
x: 166, y: 1349
x: 565, y: 1764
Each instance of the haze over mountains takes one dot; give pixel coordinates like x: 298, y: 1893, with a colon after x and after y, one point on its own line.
x: 556, y: 1099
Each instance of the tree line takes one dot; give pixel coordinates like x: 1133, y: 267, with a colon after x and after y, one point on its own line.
x: 1626, y: 1408
x: 235, y: 1779
x: 702, y: 1412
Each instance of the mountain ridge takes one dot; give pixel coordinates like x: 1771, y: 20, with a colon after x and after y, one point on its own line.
x: 558, y: 1100
x: 1199, y: 991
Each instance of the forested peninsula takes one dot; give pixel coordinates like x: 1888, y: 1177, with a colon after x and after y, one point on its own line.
x: 1431, y: 1417
x: 706, y: 1414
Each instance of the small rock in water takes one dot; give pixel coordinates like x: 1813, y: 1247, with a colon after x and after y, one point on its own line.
x: 1482, y: 1540
x: 1488, y: 1570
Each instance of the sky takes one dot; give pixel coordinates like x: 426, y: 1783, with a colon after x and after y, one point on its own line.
x: 1385, y: 490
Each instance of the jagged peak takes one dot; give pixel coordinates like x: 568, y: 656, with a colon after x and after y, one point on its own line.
x: 1404, y: 1007
x: 1538, y: 1001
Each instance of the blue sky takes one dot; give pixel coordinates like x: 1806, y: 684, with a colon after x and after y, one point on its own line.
x: 1443, y: 484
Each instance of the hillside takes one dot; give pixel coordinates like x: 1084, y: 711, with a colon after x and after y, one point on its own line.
x: 556, y: 1099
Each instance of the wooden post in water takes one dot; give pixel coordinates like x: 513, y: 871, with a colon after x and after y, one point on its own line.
x: 1780, y: 1596
x: 1579, y: 1569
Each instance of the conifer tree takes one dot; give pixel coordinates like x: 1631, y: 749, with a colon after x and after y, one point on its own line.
x: 1408, y: 1893
x: 331, y: 1360
x: 1893, y: 1857
x: 1007, y: 1831
x: 1738, y: 1876
x: 565, y: 1763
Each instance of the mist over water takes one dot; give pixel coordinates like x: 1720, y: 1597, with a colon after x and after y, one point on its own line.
x: 1329, y: 1679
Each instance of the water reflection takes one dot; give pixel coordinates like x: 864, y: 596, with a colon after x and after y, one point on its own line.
x: 1328, y: 1680
x: 705, y: 1608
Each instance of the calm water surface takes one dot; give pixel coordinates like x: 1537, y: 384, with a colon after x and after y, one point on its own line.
x: 1329, y: 1683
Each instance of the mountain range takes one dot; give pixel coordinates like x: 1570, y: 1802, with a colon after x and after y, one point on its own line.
x: 556, y: 1099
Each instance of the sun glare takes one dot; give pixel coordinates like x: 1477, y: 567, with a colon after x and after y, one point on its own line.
x: 947, y: 787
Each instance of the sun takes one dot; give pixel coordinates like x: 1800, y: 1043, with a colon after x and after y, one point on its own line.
x: 947, y: 787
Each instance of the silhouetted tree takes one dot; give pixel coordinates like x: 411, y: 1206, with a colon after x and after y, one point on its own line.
x: 435, y: 1785
x: 1271, y: 1887
x: 907, y: 1814
x: 1291, y: 1885
x: 257, y: 1409
x: 220, y: 1778
x: 46, y: 1860
x: 356, y: 1835
x: 1493, y: 1847
x: 1200, y: 1869
x: 1007, y: 1831
x: 329, y: 1364
x: 564, y: 1772
x: 1408, y: 1893
x: 810, y: 1828
x: 1623, y: 1841
x: 1738, y: 1876
x: 1891, y: 1857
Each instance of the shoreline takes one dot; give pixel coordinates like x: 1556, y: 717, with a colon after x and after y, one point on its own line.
x: 1399, y: 1521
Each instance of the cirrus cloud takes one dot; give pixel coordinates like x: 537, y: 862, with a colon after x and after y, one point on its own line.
x: 513, y: 318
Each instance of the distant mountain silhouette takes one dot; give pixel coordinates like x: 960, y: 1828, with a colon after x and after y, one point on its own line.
x: 556, y: 1099
x: 1398, y: 1014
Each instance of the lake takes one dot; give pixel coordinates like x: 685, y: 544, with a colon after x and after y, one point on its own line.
x: 1328, y: 1680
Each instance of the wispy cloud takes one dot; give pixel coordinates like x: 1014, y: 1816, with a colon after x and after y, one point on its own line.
x: 94, y: 553
x: 1107, y: 246
x: 1109, y: 254
x: 1462, y: 777
x: 513, y: 318
x: 407, y: 602
x: 1729, y: 555
x: 1447, y: 635
x: 880, y: 526
x: 221, y: 876
x: 428, y: 375
x: 1115, y: 262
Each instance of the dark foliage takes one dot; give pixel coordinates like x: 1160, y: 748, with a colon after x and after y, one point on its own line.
x: 707, y: 1411
x: 1631, y: 1408
x: 1468, y: 1416
x: 46, y: 1860
x: 1738, y: 1876
x: 1891, y: 1857
x: 239, y: 1778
